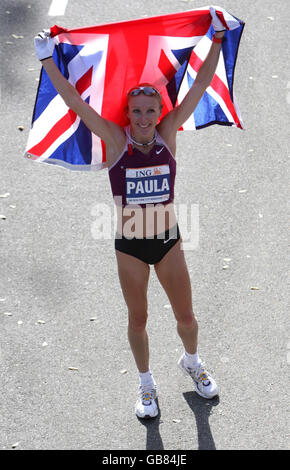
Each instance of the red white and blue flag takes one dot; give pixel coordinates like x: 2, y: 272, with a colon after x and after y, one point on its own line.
x: 103, y: 62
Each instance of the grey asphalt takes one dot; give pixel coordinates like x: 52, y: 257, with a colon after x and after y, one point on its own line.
x: 55, y: 277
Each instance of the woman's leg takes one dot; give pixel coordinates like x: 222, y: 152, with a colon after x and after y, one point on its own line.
x: 173, y: 275
x: 134, y: 276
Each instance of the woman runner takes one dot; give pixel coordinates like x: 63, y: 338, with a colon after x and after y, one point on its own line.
x: 141, y: 164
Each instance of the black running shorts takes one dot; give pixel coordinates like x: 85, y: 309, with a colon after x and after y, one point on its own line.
x: 151, y: 250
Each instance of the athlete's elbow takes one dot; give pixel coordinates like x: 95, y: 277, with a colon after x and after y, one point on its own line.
x: 201, y: 83
x: 73, y: 100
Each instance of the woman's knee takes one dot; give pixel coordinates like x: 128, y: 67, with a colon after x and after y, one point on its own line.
x: 186, y: 319
x: 137, y: 320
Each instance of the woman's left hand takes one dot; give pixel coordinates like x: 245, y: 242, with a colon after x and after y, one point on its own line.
x: 216, y: 22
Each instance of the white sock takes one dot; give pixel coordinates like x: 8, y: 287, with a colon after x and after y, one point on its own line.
x: 191, y: 360
x: 146, y: 378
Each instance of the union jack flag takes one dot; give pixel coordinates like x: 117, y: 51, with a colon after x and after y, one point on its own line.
x: 103, y: 62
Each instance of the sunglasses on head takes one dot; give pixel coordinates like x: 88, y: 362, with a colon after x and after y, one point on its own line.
x: 147, y: 90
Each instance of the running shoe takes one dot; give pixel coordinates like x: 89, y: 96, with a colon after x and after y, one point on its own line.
x: 204, y: 384
x: 146, y: 406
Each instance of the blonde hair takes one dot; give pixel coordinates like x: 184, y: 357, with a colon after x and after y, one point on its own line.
x: 158, y: 94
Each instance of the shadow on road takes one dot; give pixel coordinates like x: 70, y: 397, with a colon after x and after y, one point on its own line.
x: 202, y: 410
x: 153, y: 438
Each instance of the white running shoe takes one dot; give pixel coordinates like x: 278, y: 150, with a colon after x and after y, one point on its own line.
x: 204, y: 384
x: 146, y: 406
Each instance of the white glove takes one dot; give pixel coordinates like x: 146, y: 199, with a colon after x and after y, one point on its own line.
x: 216, y: 23
x: 44, y: 45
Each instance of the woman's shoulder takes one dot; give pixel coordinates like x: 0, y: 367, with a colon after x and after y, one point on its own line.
x: 169, y: 138
x: 117, y: 132
x: 118, y: 141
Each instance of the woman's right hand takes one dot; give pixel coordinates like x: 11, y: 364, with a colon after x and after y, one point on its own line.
x: 44, y: 44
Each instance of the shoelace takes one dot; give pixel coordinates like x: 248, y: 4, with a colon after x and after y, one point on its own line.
x: 147, y: 394
x: 200, y: 374
x: 146, y: 397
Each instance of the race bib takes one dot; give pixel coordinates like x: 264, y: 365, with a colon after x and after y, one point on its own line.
x: 148, y: 185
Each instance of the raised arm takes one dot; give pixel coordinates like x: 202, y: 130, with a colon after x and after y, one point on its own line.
x: 174, y: 120
x: 105, y: 129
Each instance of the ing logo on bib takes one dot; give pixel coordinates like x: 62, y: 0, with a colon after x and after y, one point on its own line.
x: 147, y: 185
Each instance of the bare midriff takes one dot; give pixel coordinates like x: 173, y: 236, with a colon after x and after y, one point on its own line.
x: 143, y: 222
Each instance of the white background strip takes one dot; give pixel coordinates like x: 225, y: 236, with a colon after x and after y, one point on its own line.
x: 57, y: 7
